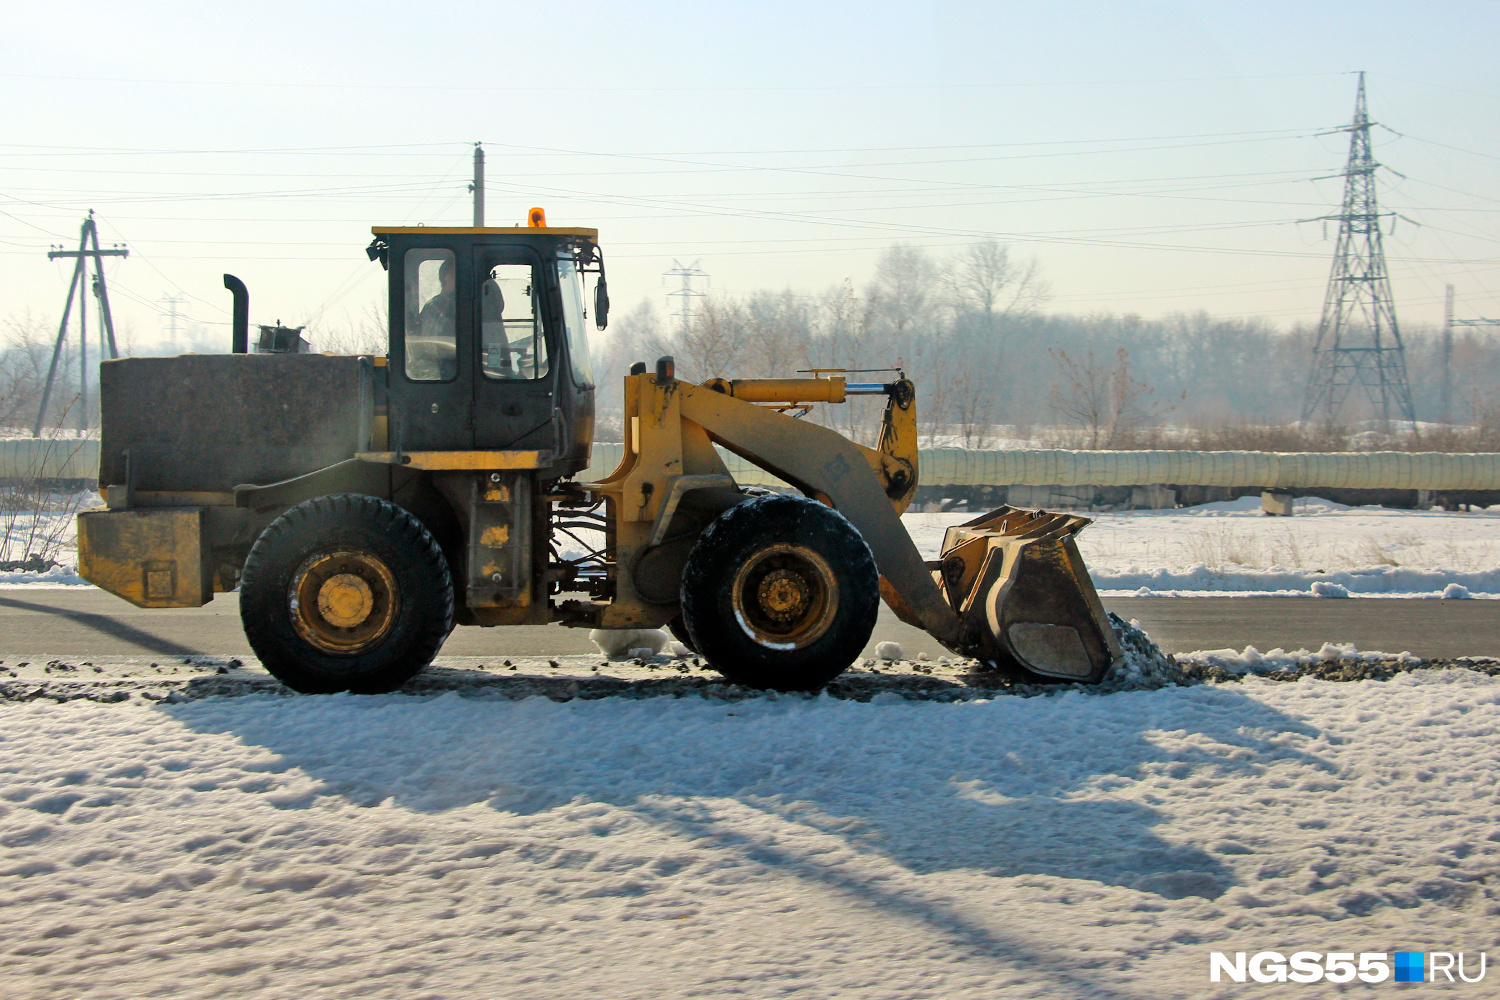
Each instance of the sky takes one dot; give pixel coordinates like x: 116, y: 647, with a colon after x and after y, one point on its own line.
x: 1154, y: 158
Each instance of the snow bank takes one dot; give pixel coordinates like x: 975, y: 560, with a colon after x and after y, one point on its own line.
x: 446, y: 847
x: 1369, y: 581
x: 58, y: 576
x: 1252, y: 661
x: 1231, y: 548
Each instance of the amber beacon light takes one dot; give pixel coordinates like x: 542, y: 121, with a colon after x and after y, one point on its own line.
x: 536, y: 218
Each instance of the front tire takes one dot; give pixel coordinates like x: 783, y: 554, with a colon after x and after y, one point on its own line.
x: 780, y: 592
x: 346, y: 593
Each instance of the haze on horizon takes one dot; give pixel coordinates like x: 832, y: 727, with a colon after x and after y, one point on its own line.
x: 1154, y: 158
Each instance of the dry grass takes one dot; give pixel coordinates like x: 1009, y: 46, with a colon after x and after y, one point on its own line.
x: 1377, y: 554
x: 35, y: 524
x: 1222, y: 545
x: 36, y: 519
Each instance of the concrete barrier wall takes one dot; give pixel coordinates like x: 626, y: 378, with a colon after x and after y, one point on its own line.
x: 1290, y: 470
x: 27, y: 459
x: 37, y: 458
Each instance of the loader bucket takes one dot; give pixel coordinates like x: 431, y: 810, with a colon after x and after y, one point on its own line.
x: 1024, y: 598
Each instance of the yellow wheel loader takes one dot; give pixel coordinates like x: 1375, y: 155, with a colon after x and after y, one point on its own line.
x: 363, y: 506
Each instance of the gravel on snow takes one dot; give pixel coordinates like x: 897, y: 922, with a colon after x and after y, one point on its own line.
x: 1144, y: 667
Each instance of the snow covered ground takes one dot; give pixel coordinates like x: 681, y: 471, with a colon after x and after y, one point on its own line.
x: 447, y: 847
x: 64, y: 575
x: 1325, y: 549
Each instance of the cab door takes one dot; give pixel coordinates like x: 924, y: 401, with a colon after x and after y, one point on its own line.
x: 432, y: 371
x: 516, y: 358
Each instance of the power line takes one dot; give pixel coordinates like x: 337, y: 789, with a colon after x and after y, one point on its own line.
x: 514, y: 150
x: 555, y: 87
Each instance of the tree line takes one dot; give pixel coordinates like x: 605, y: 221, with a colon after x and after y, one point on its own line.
x: 992, y: 367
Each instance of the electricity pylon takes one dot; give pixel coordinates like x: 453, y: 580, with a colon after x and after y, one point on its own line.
x: 1449, y: 322
x: 687, y: 293
x: 1359, y: 343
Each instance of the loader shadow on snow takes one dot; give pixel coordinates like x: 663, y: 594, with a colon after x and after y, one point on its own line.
x: 1015, y: 786
x: 1031, y: 787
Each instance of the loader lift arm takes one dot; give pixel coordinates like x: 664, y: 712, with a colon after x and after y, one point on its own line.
x: 829, y: 467
x: 1010, y: 589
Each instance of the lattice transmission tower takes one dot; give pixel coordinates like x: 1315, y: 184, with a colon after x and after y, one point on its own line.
x: 1359, y: 343
x: 685, y: 295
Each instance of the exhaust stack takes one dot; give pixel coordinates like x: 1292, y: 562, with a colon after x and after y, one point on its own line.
x: 240, y: 344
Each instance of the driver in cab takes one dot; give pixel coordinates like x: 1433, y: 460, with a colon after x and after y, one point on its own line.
x: 431, y: 355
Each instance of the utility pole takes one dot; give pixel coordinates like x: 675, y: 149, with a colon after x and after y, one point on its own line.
x: 478, y: 185
x: 1358, y: 343
x: 686, y: 293
x: 83, y: 360
x: 89, y: 233
x: 1448, y: 355
x: 1448, y: 324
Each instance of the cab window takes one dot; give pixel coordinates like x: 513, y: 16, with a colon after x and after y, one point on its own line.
x: 431, y: 346
x: 571, y: 283
x: 512, y: 344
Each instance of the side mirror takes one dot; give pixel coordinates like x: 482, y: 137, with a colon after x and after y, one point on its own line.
x: 601, y: 303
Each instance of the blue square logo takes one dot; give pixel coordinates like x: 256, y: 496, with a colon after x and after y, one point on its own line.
x: 1410, y: 966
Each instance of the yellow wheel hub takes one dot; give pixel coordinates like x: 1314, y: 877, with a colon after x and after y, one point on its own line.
x: 785, y: 596
x: 343, y: 602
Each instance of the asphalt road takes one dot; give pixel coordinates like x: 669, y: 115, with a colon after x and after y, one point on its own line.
x: 88, y: 622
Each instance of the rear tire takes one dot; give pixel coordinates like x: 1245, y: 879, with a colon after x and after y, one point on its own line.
x: 346, y: 593
x: 780, y: 592
x: 680, y: 633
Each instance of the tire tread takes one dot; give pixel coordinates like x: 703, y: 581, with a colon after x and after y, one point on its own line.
x: 717, y: 553
x: 287, y: 538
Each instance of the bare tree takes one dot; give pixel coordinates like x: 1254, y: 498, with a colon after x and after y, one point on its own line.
x: 630, y: 338
x: 1107, y: 401
x: 366, y: 332
x: 904, y: 289
x: 625, y: 342
x: 984, y: 286
x: 844, y: 323
x: 778, y: 335
x: 985, y: 280
x: 974, y: 398
x: 844, y: 339
x: 24, y: 363
x: 712, y: 344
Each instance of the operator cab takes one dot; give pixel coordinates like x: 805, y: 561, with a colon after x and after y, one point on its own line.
x: 488, y: 339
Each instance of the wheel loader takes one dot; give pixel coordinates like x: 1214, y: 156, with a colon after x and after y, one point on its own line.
x: 365, y: 505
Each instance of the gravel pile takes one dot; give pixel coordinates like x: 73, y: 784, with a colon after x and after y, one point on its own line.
x: 1145, y: 667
